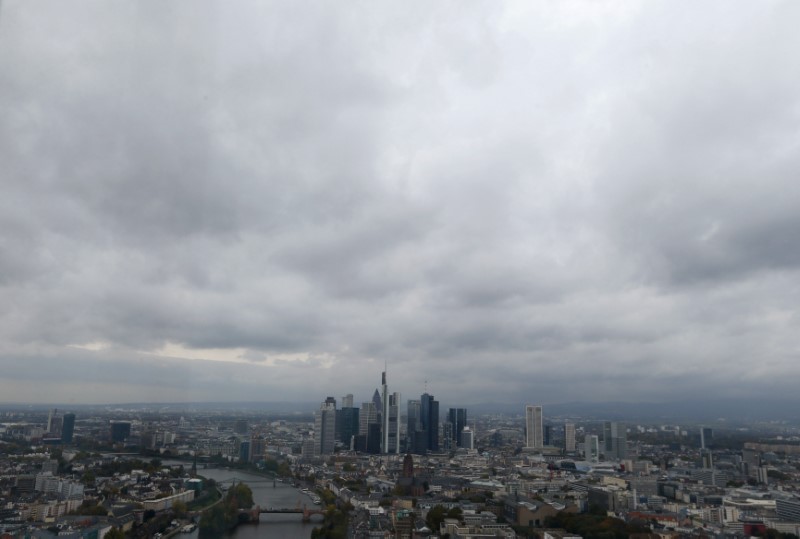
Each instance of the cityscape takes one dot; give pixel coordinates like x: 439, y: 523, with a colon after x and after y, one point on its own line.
x: 391, y: 468
x: 519, y: 269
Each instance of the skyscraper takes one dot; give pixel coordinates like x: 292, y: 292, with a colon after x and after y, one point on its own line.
x: 429, y: 418
x: 347, y: 401
x: 467, y: 439
x: 347, y: 425
x: 67, y: 428
x: 325, y: 427
x: 706, y: 434
x: 120, y: 431
x: 384, y: 414
x: 591, y: 448
x: 393, y: 424
x: 457, y: 418
x: 376, y: 400
x: 569, y: 437
x: 534, y: 430
x: 615, y: 440
x: 413, y: 424
x: 369, y: 414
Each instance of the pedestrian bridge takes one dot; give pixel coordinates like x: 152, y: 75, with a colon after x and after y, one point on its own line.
x: 254, y: 513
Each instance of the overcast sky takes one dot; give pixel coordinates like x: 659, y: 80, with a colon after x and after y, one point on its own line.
x: 532, y: 201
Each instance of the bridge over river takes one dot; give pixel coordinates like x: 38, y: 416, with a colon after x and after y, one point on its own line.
x: 254, y: 513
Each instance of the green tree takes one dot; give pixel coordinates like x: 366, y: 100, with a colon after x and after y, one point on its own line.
x: 213, y: 523
x: 455, y: 512
x: 241, y: 496
x: 179, y: 508
x: 435, y: 517
x: 115, y: 533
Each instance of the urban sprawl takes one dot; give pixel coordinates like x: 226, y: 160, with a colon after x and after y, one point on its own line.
x: 382, y: 469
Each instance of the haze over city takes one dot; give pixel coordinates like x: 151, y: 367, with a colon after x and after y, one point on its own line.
x: 541, y: 202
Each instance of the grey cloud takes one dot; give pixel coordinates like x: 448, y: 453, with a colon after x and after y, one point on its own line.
x: 564, y: 202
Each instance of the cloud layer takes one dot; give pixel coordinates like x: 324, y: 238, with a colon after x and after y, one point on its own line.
x: 266, y: 201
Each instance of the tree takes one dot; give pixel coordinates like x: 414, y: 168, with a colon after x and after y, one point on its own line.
x: 213, y: 523
x: 115, y: 533
x: 455, y: 512
x: 241, y: 496
x: 180, y: 508
x: 435, y: 517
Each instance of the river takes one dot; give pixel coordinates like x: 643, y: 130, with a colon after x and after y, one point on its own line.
x: 266, y: 495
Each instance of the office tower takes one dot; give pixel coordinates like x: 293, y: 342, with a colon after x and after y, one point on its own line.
x: 393, y: 424
x: 429, y: 419
x: 457, y: 419
x: 547, y: 431
x: 534, y: 431
x: 751, y: 462
x: 368, y: 415
x: 374, y: 439
x: 53, y: 414
x: 706, y: 434
x: 384, y: 414
x: 448, y: 439
x: 569, y: 437
x: 615, y: 440
x: 325, y: 427
x: 376, y: 400
x: 467, y: 439
x: 120, y: 431
x: 347, y: 401
x: 67, y: 428
x: 413, y: 424
x: 54, y: 424
x: 591, y: 447
x: 347, y: 425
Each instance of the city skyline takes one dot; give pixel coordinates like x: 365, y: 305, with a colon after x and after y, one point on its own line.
x: 570, y: 202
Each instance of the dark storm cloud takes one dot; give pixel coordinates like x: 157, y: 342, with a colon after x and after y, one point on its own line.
x: 268, y: 201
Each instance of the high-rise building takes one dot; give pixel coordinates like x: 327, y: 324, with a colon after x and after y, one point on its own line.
x: 50, y: 419
x: 67, y: 428
x: 591, y: 448
x: 369, y: 429
x: 615, y: 440
x: 376, y: 400
x: 706, y: 434
x: 120, y: 431
x: 706, y: 459
x: 368, y: 415
x: 325, y: 427
x: 569, y: 437
x: 413, y: 424
x: 429, y: 418
x: 457, y: 418
x: 347, y: 425
x: 467, y: 438
x: 447, y: 440
x: 347, y: 401
x: 547, y: 430
x: 534, y: 429
x: 393, y: 424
